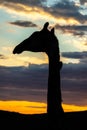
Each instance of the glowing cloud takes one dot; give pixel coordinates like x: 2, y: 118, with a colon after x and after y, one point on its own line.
x: 72, y: 108
x: 26, y: 107
x: 21, y: 10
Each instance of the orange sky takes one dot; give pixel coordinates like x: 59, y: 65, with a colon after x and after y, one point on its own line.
x: 26, y: 107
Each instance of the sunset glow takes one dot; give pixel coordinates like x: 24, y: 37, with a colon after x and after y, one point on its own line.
x: 26, y: 107
x: 23, y: 107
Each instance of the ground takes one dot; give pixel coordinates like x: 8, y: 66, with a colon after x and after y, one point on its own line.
x: 70, y: 121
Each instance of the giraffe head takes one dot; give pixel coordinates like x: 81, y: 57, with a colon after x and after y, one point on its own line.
x: 39, y: 41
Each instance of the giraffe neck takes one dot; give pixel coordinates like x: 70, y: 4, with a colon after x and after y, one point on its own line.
x: 54, y: 60
x: 54, y: 92
x: 54, y: 71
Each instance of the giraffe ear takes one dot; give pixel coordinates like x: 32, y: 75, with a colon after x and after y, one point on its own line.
x: 46, y: 25
x: 52, y: 30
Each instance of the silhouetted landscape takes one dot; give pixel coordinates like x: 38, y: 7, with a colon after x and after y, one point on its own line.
x: 70, y: 121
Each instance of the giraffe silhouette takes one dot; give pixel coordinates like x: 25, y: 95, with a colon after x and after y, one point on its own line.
x: 46, y: 41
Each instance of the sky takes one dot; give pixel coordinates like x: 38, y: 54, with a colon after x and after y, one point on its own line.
x: 24, y: 77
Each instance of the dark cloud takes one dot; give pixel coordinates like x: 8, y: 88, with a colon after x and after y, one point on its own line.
x: 67, y: 10
x: 21, y: 83
x: 75, y: 73
x: 19, y: 5
x: 83, y: 1
x: 75, y: 55
x: 81, y: 56
x: 77, y: 30
x: 23, y: 23
x: 63, y: 9
x: 74, y: 83
x: 23, y: 77
x: 26, y: 2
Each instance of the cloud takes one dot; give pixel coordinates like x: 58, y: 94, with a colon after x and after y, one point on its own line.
x: 25, y: 107
x: 83, y: 1
x: 30, y: 83
x: 80, y: 57
x: 77, y: 30
x: 23, y: 23
x: 21, y: 83
x: 64, y: 10
x: 67, y: 10
x: 75, y: 55
x: 20, y: 6
x: 26, y: 2
x: 74, y: 83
